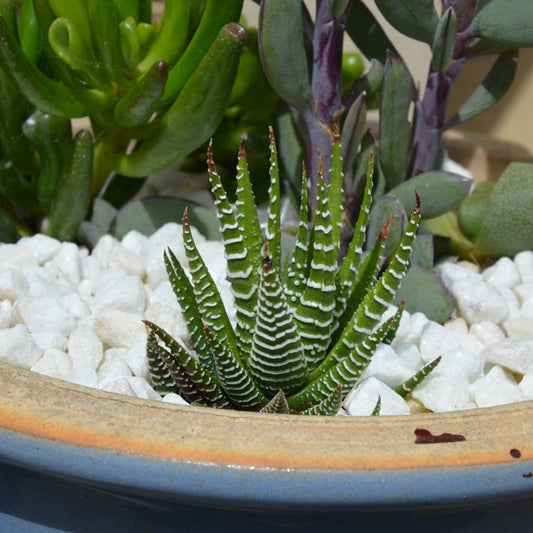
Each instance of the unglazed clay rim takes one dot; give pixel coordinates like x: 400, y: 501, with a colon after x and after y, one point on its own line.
x: 55, y: 410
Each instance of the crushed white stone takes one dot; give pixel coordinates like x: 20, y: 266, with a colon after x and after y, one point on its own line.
x: 77, y: 316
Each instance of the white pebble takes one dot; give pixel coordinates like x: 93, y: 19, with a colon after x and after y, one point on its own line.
x: 436, y: 340
x: 518, y: 327
x: 524, y: 292
x: 85, y: 348
x: 410, y: 354
x: 410, y: 328
x: 68, y: 260
x: 386, y: 366
x: 123, y: 293
x: 113, y: 365
x: 119, y: 329
x: 54, y: 363
x: 18, y: 347
x: 50, y: 339
x: 12, y: 284
x: 479, y: 302
x: 363, y: 399
x: 514, y: 353
x: 43, y: 314
x: 135, y: 358
x: 42, y: 247
x: 171, y: 320
x: 487, y: 333
x: 75, y: 305
x: 83, y: 375
x: 142, y: 388
x: 439, y: 393
x: 503, y: 272
x: 526, y: 386
x: 13, y: 256
x: 131, y: 263
x: 496, y: 388
x: 172, y: 397
x: 118, y: 385
x: 524, y: 264
x: 452, y: 272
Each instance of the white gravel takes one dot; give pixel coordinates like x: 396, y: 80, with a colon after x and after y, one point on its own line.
x: 74, y: 316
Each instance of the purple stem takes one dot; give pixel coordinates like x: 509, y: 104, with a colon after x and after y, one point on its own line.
x: 326, y: 88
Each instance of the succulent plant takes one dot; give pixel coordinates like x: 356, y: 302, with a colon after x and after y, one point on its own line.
x: 142, y: 84
x: 302, y: 58
x: 495, y: 220
x: 305, y: 333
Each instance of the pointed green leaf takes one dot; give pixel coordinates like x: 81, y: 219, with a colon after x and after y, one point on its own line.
x: 329, y: 406
x: 282, y: 50
x: 277, y: 405
x: 314, y: 314
x: 414, y: 18
x: 242, y: 267
x: 194, y: 382
x: 493, y: 87
x: 444, y: 41
x: 185, y: 295
x: 394, y: 128
x: 273, y: 230
x: 366, y: 33
x: 277, y: 360
x: 506, y: 22
x: 409, y: 385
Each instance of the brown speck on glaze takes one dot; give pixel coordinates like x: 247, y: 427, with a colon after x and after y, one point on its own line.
x: 423, y: 436
x: 515, y: 453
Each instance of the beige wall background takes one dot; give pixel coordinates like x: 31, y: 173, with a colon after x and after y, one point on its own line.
x: 510, y: 120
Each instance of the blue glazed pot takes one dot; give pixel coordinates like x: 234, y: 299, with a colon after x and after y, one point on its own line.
x: 77, y: 459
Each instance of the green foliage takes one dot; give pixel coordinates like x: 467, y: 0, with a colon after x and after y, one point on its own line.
x: 303, y: 334
x: 498, y: 216
x: 302, y: 57
x: 141, y: 83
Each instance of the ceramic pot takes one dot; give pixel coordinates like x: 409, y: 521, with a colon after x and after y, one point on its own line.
x: 69, y: 453
x: 78, y: 459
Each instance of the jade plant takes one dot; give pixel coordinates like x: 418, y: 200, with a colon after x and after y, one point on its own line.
x: 302, y: 57
x: 141, y: 83
x: 306, y: 328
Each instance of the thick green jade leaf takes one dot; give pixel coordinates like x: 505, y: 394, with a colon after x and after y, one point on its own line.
x: 444, y: 42
x: 506, y: 226
x: 73, y: 196
x: 8, y: 232
x: 506, y: 22
x: 367, y: 34
x: 282, y: 50
x: 215, y: 16
x: 472, y: 209
x: 425, y: 292
x: 439, y: 192
x: 494, y: 86
x: 137, y: 106
x: 394, y: 128
x: 46, y: 94
x: 414, y: 18
x: 170, y: 39
x: 201, y: 104
x: 69, y: 44
x: 149, y: 214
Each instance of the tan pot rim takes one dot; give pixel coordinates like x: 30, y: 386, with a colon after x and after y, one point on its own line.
x: 50, y: 409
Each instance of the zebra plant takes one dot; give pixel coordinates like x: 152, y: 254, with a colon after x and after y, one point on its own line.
x: 305, y: 333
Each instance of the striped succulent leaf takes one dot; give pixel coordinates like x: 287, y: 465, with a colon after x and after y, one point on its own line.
x: 303, y: 337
